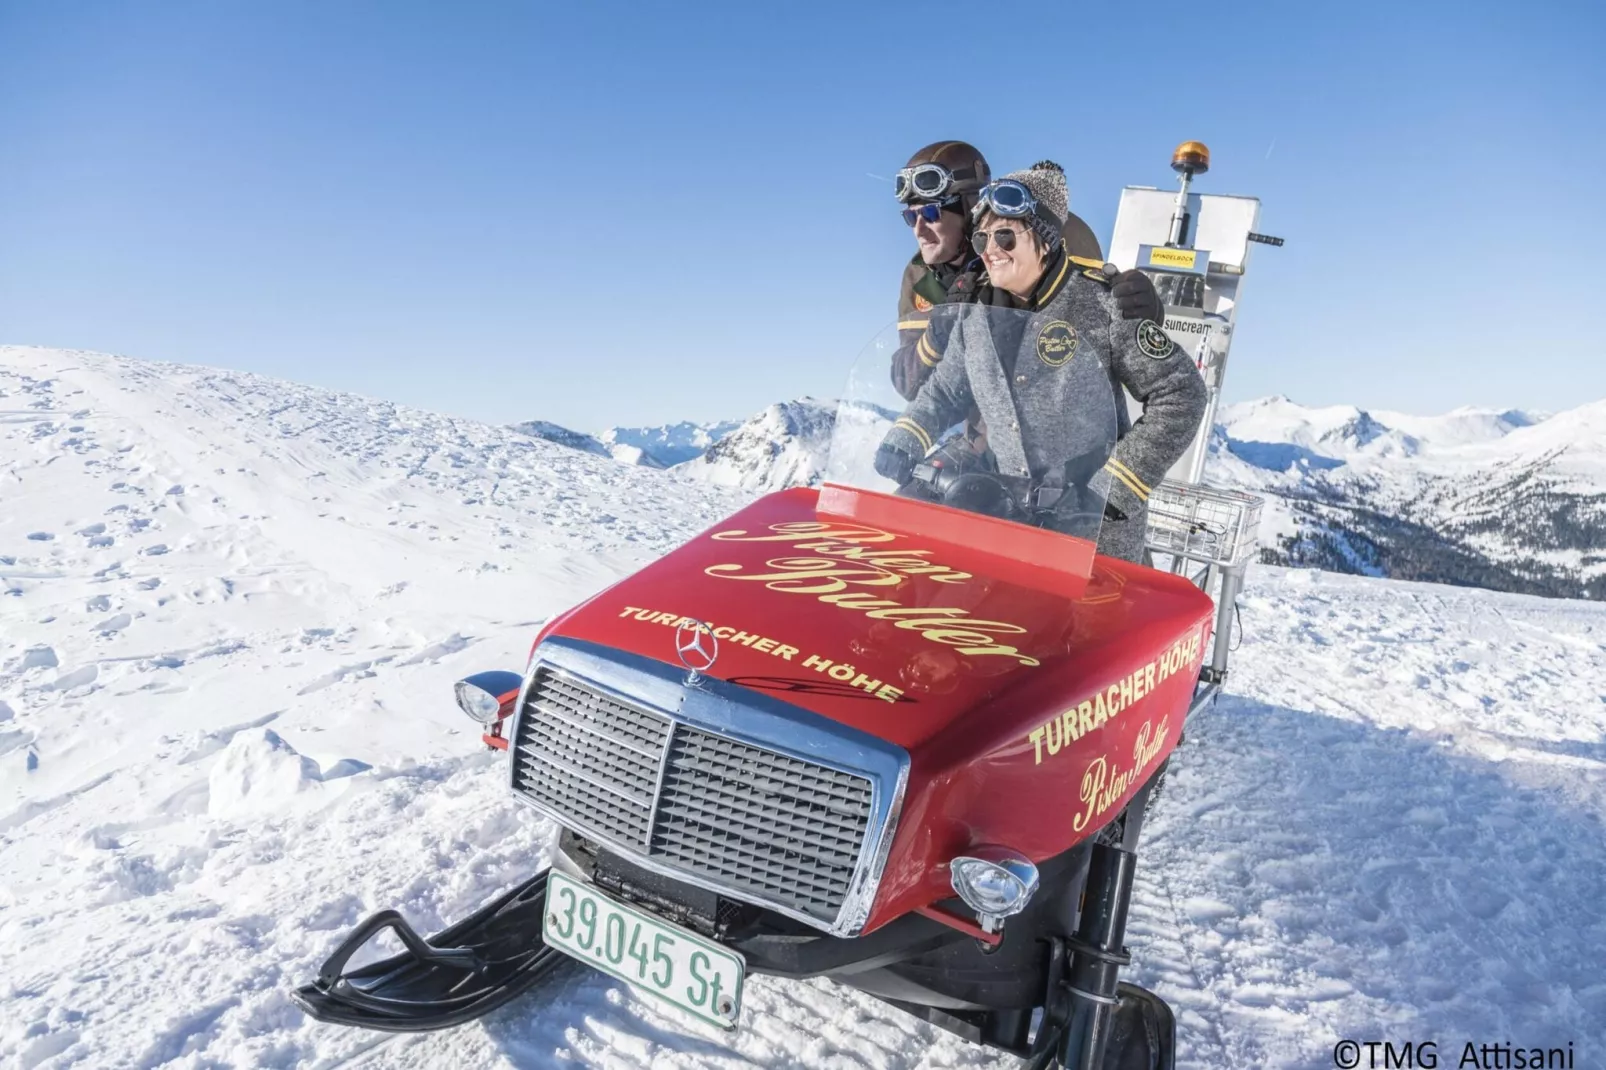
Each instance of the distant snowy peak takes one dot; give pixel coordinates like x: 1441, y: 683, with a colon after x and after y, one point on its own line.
x: 1275, y: 433
x: 785, y: 445
x: 1572, y: 442
x: 575, y: 440
x: 665, y: 446
x: 1461, y: 427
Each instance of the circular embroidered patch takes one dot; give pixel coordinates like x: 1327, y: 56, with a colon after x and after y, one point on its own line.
x: 921, y: 304
x: 1056, y: 343
x: 1153, y: 340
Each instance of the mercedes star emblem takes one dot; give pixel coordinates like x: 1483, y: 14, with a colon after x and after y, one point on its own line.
x: 697, y: 647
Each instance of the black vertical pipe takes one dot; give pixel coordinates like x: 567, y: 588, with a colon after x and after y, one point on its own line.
x: 1097, y: 957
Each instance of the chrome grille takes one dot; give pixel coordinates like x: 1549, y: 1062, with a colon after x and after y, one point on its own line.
x: 583, y: 754
x: 774, y: 826
x: 767, y: 826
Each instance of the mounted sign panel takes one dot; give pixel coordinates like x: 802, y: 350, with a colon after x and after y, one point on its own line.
x: 1199, y: 279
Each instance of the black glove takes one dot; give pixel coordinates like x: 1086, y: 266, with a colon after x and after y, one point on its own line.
x: 964, y: 288
x: 1136, y: 297
x: 893, y: 463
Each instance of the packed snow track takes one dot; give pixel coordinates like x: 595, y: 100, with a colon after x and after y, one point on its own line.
x: 231, y: 610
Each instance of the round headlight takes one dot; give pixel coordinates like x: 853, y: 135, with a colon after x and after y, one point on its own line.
x: 994, y: 882
x: 477, y: 703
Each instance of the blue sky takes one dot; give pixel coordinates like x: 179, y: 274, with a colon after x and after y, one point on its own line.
x: 599, y: 214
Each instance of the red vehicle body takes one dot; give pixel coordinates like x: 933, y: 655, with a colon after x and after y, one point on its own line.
x: 1024, y: 688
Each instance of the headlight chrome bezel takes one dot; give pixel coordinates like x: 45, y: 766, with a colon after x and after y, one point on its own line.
x: 488, y: 697
x: 996, y: 882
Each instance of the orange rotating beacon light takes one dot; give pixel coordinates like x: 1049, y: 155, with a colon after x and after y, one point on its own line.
x: 1191, y: 158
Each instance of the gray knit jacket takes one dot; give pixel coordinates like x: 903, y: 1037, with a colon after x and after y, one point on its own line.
x: 1062, y: 397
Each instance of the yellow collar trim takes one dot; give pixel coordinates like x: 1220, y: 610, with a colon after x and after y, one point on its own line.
x: 1054, y: 287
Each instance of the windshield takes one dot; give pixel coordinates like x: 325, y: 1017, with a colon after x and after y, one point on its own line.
x: 1010, y: 414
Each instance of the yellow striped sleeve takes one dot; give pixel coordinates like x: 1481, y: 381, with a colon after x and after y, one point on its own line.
x: 926, y: 351
x: 1131, y: 475
x: 914, y: 429
x: 1131, y: 485
x: 912, y: 325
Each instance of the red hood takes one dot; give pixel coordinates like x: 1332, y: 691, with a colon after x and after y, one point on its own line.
x: 893, y: 633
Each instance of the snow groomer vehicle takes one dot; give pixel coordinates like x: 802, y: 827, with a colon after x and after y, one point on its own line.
x: 897, y: 743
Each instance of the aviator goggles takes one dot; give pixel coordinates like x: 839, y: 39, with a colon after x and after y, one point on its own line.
x: 928, y: 181
x: 930, y: 212
x: 1006, y: 198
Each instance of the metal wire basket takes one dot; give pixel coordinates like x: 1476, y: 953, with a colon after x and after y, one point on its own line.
x: 1220, y: 527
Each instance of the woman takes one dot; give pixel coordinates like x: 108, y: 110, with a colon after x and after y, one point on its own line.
x: 1030, y: 373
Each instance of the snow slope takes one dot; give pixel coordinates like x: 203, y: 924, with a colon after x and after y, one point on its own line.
x: 575, y: 440
x: 231, y: 610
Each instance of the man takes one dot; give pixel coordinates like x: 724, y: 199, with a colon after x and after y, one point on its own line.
x: 938, y: 188
x: 1028, y: 371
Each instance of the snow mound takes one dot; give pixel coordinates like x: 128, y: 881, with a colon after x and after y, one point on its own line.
x: 258, y: 772
x: 634, y: 455
x: 38, y: 657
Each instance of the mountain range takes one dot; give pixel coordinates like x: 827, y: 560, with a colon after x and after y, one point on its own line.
x: 1507, y: 499
x: 650, y: 447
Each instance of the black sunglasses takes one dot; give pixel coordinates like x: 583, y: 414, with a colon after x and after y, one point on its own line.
x: 930, y: 212
x: 1004, y: 236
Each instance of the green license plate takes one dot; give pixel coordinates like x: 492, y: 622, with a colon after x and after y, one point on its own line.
x: 664, y: 960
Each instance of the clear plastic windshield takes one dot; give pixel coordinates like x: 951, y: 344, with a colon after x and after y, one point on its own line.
x: 1011, y: 414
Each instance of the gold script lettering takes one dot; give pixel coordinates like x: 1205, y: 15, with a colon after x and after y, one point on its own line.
x: 797, y: 530
x: 794, y: 574
x: 1105, y: 783
x: 845, y: 540
x: 846, y: 564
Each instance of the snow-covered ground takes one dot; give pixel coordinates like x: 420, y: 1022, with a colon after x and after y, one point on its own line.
x: 231, y: 610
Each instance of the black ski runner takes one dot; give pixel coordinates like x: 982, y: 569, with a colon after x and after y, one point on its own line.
x: 461, y: 973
